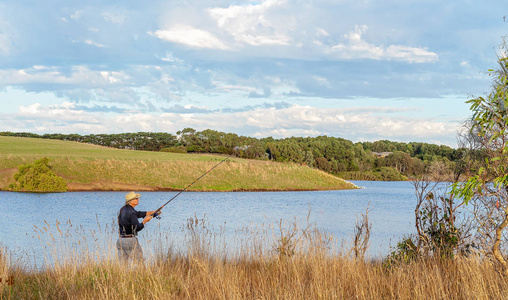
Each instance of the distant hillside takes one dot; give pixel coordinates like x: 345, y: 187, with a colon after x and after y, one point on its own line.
x: 91, y: 167
x: 333, y: 155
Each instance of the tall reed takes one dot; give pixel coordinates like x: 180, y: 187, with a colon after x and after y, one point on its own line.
x: 279, y: 261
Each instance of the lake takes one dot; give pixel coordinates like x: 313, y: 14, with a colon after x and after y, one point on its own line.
x: 30, y: 230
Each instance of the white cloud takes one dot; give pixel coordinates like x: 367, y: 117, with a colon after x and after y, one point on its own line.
x: 78, y: 75
x: 115, y: 18
x: 249, y: 24
x: 190, y: 36
x: 92, y: 43
x: 77, y: 15
x: 295, y: 120
x: 321, y: 32
x: 322, y: 81
x: 355, y: 47
x: 64, y: 112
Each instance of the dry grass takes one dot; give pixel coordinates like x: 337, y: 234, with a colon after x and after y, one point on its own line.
x: 233, y: 175
x: 208, y: 270
x: 90, y: 167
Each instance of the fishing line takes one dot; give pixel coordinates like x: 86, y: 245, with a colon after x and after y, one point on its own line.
x: 157, y: 213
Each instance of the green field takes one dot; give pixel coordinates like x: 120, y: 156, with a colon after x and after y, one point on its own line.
x: 91, y: 167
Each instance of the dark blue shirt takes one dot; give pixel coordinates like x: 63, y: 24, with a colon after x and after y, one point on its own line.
x: 128, y: 220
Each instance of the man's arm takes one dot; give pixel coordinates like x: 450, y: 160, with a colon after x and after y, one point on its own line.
x: 147, y: 215
x: 135, y: 223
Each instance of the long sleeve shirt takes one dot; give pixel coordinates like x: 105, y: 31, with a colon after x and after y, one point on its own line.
x: 128, y: 220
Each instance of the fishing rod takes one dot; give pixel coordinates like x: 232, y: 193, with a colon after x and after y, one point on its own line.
x: 157, y: 213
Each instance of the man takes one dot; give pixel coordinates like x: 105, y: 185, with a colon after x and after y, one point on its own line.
x: 129, y: 226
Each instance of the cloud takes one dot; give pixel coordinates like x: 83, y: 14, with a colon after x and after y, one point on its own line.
x: 92, y: 43
x: 321, y: 32
x: 100, y: 109
x: 77, y: 15
x: 74, y: 75
x: 114, y: 17
x: 187, y: 109
x: 265, y: 105
x: 250, y: 24
x: 247, y: 57
x: 278, y: 120
x: 64, y: 113
x: 265, y: 94
x: 190, y: 36
x: 355, y: 47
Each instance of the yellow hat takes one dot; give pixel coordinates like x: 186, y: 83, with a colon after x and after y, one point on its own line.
x: 131, y: 196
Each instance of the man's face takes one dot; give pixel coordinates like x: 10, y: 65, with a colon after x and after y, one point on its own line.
x: 134, y: 202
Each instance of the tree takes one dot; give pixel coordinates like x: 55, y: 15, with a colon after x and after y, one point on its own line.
x: 323, y: 164
x: 401, y: 161
x: 487, y: 187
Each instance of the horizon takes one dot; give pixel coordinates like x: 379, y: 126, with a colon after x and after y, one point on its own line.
x: 259, y: 138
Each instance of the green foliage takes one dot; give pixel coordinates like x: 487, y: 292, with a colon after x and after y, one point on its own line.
x: 379, y: 174
x: 405, y: 252
x: 438, y: 224
x: 38, y: 177
x: 389, y: 174
x: 148, y: 141
x: 330, y: 154
x: 489, y: 127
x: 439, y: 237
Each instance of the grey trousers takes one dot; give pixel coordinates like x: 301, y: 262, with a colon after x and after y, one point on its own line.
x: 129, y: 248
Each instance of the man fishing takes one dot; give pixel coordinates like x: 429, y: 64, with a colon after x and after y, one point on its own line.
x: 129, y: 226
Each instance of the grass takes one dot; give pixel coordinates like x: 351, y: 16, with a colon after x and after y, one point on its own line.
x: 209, y: 270
x: 91, y: 167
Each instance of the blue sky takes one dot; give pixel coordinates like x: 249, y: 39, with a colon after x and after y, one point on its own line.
x: 362, y: 70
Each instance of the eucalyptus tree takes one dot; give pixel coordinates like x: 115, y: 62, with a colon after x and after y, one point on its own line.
x: 487, y: 185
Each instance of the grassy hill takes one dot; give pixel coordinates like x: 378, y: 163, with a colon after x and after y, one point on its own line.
x: 90, y: 167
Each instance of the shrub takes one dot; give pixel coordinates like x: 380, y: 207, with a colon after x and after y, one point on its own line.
x: 38, y: 177
x: 389, y: 174
x: 405, y: 252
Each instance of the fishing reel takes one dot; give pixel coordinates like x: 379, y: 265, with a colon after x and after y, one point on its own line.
x: 157, y: 215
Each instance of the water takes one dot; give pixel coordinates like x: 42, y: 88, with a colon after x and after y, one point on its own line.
x: 93, y: 215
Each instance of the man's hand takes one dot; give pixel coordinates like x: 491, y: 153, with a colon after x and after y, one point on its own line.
x: 147, y: 219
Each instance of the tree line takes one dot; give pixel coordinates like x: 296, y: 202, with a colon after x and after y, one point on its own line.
x: 379, y: 160
x: 147, y: 141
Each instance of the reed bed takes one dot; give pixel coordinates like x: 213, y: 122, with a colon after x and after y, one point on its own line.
x: 280, y: 261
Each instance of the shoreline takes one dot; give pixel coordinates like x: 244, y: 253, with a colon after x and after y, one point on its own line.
x: 192, y: 191
x: 73, y: 187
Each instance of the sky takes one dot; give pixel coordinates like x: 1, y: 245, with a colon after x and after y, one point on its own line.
x: 368, y: 70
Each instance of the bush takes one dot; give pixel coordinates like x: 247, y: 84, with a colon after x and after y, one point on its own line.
x: 405, y: 252
x: 389, y: 174
x: 38, y: 177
